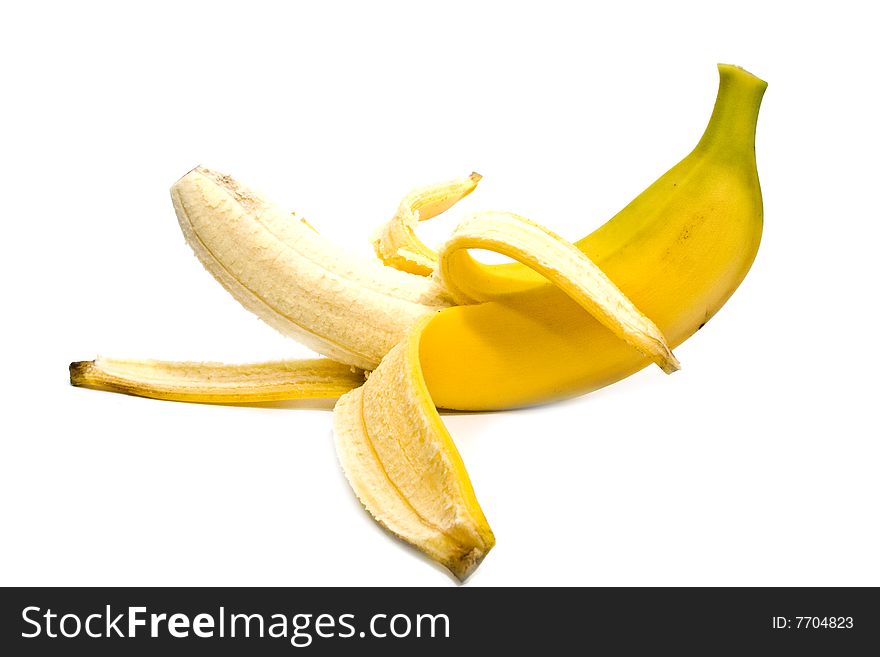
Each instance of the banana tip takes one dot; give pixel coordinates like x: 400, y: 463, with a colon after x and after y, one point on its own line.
x: 466, y: 564
x: 199, y: 168
x: 733, y: 69
x: 78, y: 371
x: 670, y: 364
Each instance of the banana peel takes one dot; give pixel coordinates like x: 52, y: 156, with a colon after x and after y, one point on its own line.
x: 440, y: 329
x: 219, y: 383
x: 404, y: 467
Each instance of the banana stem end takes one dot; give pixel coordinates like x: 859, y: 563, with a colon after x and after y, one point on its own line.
x: 669, y: 363
x: 79, y: 372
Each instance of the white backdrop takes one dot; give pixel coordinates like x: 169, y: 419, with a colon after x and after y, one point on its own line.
x: 756, y: 464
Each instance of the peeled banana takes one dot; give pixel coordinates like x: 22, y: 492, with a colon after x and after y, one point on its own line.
x: 438, y: 328
x: 353, y: 311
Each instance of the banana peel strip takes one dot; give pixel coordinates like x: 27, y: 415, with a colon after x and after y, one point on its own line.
x: 219, y: 383
x: 560, y: 262
x: 403, y: 466
x: 396, y: 242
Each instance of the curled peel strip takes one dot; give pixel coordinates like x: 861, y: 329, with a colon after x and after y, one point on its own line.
x: 560, y: 262
x: 396, y: 242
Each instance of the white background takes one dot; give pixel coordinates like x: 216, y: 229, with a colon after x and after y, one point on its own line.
x: 756, y: 464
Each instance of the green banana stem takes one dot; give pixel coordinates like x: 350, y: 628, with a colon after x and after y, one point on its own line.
x: 731, y: 128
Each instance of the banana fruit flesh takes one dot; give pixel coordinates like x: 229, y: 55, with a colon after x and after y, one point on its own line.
x: 439, y: 329
x: 353, y: 311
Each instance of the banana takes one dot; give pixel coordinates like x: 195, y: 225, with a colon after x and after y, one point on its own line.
x: 439, y: 329
x: 348, y: 309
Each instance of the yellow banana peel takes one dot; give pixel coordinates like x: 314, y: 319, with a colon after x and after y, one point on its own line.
x: 439, y: 329
x: 219, y: 383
